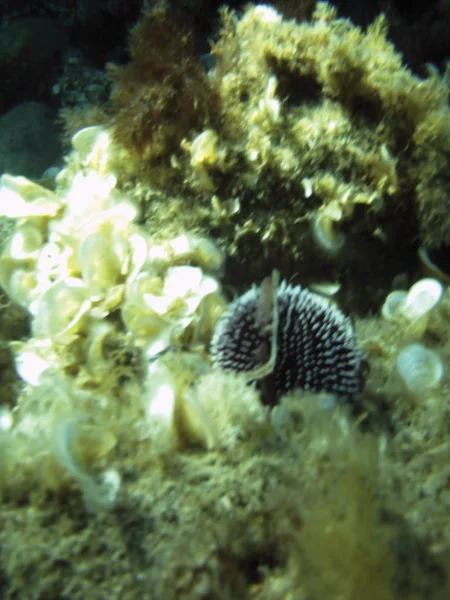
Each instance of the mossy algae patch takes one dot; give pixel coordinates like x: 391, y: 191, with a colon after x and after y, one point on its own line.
x: 311, y: 145
x: 129, y: 468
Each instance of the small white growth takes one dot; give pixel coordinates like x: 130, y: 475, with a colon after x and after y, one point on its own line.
x: 190, y: 284
x: 198, y: 422
x: 253, y: 155
x: 420, y: 368
x: 269, y: 107
x: 160, y: 403
x: 107, y: 489
x: 325, y: 234
x: 22, y: 198
x: 25, y: 243
x: 92, y: 146
x: 60, y: 310
x: 414, y: 307
x: 190, y: 249
x: 6, y: 419
x: 99, y: 493
x: 226, y: 408
x: 327, y: 289
x: 159, y: 311
x: 266, y: 13
x: 90, y: 194
x: 30, y: 367
x: 307, y: 187
x: 83, y: 141
x: 160, y: 397
x: 422, y: 298
x: 205, y: 153
x: 392, y: 309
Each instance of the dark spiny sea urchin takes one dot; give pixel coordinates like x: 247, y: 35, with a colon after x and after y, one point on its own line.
x: 287, y: 337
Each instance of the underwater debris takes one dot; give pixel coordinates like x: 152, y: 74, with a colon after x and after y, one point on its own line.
x: 292, y: 339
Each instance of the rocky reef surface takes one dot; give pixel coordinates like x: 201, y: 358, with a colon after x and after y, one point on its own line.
x: 142, y: 454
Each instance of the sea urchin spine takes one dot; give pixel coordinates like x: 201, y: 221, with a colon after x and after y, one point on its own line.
x: 294, y: 339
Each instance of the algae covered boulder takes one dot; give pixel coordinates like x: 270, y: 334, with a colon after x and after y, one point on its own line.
x: 311, y: 148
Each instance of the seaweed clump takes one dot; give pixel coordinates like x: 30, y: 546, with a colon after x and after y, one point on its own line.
x: 162, y: 94
x: 343, y: 530
x: 335, y: 137
x: 307, y: 147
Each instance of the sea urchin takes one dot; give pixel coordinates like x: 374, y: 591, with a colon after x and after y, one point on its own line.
x: 286, y: 337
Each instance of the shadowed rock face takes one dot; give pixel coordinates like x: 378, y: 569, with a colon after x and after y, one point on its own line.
x: 29, y: 58
x: 29, y: 141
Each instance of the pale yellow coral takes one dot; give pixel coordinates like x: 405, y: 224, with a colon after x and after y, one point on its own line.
x: 158, y: 311
x: 76, y: 256
x: 216, y: 412
x: 22, y: 198
x: 205, y: 154
x: 61, y: 310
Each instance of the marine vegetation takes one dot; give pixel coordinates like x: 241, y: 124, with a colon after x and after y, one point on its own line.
x: 162, y: 94
x: 319, y: 121
x: 164, y: 435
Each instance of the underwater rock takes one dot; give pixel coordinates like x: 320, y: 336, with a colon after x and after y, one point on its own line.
x: 29, y: 140
x: 29, y: 58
